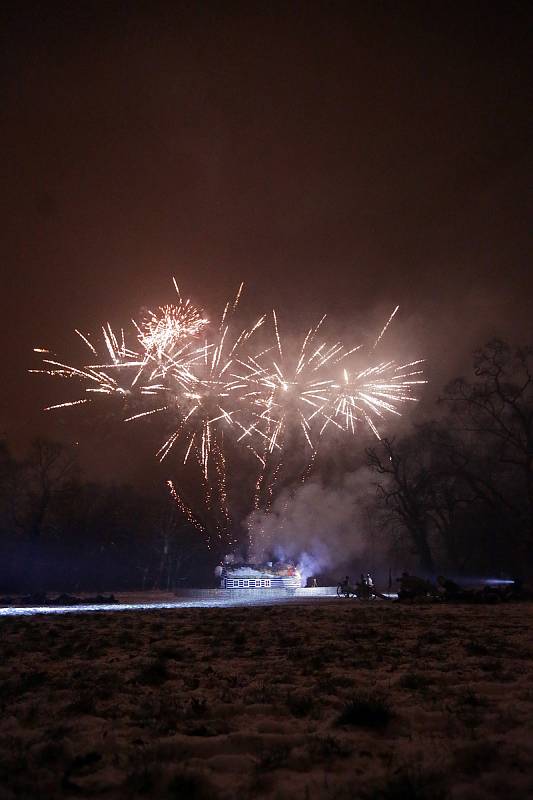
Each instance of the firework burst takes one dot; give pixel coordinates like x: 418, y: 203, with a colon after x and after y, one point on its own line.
x: 367, y: 396
x: 212, y: 386
x: 164, y: 332
x: 295, y: 391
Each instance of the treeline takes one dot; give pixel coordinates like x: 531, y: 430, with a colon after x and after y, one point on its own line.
x: 458, y: 491
x: 59, y: 532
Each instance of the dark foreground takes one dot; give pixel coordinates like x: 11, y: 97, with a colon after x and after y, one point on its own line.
x: 331, y: 699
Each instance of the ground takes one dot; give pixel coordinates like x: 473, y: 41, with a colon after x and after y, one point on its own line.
x: 330, y: 699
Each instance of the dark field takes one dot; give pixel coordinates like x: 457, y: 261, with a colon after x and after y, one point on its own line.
x: 333, y: 700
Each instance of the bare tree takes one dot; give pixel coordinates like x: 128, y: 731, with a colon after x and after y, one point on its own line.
x: 49, y: 471
x: 496, y: 411
x: 405, y: 490
x: 173, y: 545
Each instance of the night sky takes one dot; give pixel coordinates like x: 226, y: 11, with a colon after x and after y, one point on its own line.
x: 336, y: 159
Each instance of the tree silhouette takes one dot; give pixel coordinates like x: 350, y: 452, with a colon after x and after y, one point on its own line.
x: 404, y: 490
x: 496, y: 411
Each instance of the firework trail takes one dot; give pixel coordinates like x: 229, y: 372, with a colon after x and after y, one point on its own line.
x: 97, y: 378
x: 384, y: 329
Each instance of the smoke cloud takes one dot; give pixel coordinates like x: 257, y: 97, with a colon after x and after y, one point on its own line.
x: 320, y: 527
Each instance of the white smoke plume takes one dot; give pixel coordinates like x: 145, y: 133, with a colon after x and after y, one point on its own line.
x: 316, y: 525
